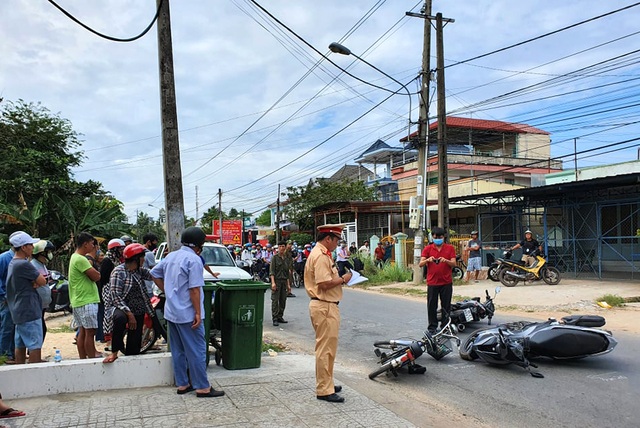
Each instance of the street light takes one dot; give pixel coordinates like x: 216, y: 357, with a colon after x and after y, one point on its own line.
x: 343, y: 50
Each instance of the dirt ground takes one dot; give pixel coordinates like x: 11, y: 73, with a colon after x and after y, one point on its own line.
x: 62, y: 340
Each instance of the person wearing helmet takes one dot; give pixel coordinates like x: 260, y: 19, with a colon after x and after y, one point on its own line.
x: 440, y: 258
x: 180, y: 276
x: 126, y: 239
x: 529, y: 247
x: 43, y: 254
x: 126, y: 302
x: 474, y: 262
x: 112, y: 258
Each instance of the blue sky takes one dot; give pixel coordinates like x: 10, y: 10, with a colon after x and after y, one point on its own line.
x: 233, y: 63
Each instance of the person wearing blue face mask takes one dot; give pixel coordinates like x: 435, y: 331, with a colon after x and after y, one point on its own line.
x: 439, y: 258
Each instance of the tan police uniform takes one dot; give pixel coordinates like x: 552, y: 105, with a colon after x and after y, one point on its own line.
x: 324, y: 313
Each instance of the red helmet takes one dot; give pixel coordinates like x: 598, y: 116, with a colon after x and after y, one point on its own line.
x: 132, y: 250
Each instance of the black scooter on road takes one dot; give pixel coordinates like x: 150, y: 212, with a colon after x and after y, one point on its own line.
x: 573, y: 337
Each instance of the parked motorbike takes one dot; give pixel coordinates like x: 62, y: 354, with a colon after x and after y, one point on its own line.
x: 472, y: 310
x: 497, y: 265
x: 458, y: 271
x: 59, y: 286
x: 154, y: 327
x: 574, y: 337
x: 395, y: 354
x: 260, y: 270
x: 513, y: 272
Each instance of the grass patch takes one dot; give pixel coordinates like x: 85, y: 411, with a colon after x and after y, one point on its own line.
x: 278, y: 347
x: 458, y: 298
x: 62, y: 329
x: 420, y: 292
x: 389, y: 273
x: 612, y: 299
x: 3, y: 360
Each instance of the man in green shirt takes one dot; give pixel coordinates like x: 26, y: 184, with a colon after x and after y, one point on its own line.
x: 83, y: 293
x: 280, y: 273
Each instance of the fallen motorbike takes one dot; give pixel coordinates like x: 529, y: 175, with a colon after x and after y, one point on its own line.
x: 395, y: 354
x: 497, y: 265
x: 59, y: 286
x: 472, y: 310
x: 574, y: 337
x: 512, y: 271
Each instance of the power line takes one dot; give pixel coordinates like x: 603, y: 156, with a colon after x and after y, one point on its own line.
x: 104, y: 36
x: 543, y: 35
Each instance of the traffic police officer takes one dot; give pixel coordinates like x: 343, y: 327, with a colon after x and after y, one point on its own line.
x: 324, y: 287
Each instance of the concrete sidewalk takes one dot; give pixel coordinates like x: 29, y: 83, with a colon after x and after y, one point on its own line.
x: 281, y: 393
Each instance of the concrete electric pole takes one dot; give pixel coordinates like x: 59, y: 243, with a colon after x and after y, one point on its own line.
x: 174, y: 202
x: 422, y: 143
x: 443, y: 163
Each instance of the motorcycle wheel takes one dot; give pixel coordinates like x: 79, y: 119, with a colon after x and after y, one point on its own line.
x: 457, y: 273
x: 383, y: 368
x: 493, y: 273
x: 297, y: 280
x: 148, y: 339
x: 465, y: 351
x: 550, y: 275
x: 507, y: 280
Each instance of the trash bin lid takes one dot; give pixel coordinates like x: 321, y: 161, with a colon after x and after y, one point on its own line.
x: 243, y: 285
x: 211, y: 285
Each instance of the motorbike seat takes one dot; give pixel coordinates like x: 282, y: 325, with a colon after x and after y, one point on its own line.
x: 584, y: 320
x: 566, y: 343
x: 464, y: 304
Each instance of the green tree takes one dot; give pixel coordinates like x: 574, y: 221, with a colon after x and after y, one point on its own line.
x: 302, y: 199
x: 145, y: 224
x: 210, y: 215
x: 101, y: 216
x: 264, y: 219
x: 234, y: 213
x: 38, y: 150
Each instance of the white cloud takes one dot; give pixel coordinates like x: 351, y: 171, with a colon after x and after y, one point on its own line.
x: 229, y: 70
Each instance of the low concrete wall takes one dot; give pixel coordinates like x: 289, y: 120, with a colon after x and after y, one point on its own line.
x: 33, y: 380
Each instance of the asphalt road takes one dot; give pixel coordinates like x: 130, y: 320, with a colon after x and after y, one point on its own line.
x: 593, y: 392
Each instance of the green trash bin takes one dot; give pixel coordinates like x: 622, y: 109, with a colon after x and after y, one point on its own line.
x: 241, y: 308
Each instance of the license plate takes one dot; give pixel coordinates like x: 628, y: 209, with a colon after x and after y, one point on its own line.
x: 468, y: 315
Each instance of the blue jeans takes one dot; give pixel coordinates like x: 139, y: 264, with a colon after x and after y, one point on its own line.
x: 7, y: 330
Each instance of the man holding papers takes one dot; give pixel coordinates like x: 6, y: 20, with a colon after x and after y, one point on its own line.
x: 324, y: 287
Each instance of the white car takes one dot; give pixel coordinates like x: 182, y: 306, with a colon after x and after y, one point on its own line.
x: 218, y: 258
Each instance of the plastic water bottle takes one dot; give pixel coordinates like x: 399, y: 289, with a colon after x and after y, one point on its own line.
x: 58, y: 357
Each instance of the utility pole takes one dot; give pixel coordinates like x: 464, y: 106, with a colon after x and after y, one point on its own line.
x: 220, y: 213
x: 278, y: 217
x: 174, y: 202
x: 197, y: 206
x: 443, y: 176
x: 423, y: 143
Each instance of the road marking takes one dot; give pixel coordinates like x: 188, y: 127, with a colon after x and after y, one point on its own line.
x: 608, y: 377
x: 459, y: 366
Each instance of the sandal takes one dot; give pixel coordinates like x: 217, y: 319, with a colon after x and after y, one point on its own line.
x: 11, y: 413
x: 184, y: 391
x: 212, y: 393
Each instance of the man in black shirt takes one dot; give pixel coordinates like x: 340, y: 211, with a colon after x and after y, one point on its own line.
x: 528, y: 245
